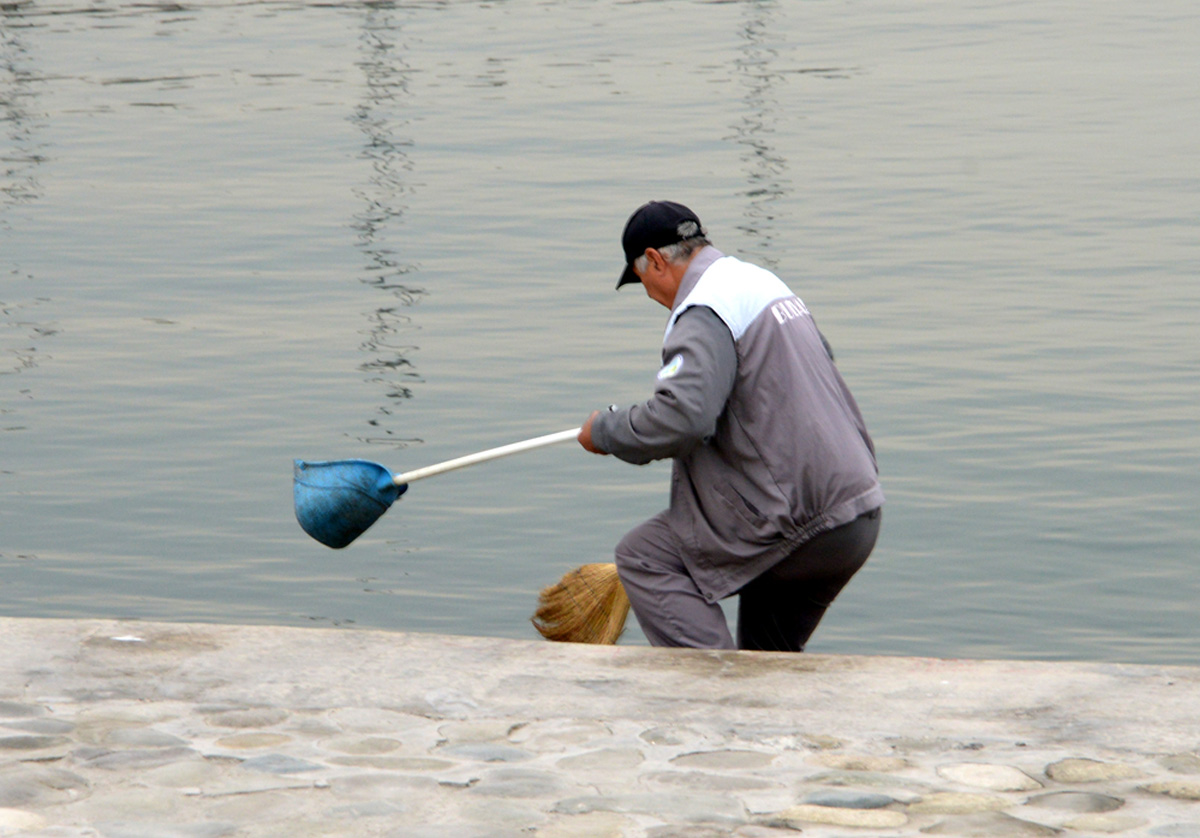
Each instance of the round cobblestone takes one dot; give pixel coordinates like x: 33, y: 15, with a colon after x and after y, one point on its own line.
x: 1105, y: 824
x: 1085, y: 770
x: 866, y: 818
x: 992, y: 777
x: 958, y: 803
x: 1178, y: 789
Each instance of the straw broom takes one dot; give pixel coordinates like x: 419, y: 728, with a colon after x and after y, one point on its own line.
x: 588, y: 605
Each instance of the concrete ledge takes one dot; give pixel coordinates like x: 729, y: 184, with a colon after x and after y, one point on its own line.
x: 133, y: 729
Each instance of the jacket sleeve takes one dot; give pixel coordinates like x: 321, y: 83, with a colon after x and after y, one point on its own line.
x: 700, y: 366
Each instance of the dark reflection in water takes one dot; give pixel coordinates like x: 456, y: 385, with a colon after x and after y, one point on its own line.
x: 766, y: 178
x: 21, y: 156
x: 379, y: 117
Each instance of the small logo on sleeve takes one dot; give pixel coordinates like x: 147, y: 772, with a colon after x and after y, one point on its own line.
x: 671, y: 369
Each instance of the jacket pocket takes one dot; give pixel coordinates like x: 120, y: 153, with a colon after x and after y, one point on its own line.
x: 741, y: 516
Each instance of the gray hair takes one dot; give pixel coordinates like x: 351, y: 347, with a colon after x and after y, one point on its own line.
x: 675, y: 253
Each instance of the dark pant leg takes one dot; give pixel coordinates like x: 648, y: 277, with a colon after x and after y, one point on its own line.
x: 779, y: 610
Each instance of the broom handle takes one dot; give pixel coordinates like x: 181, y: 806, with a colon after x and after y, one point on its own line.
x: 484, y: 456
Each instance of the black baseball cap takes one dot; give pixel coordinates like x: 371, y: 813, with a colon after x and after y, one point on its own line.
x: 656, y: 224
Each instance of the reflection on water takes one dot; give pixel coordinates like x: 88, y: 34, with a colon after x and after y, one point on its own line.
x: 380, y: 117
x: 22, y: 332
x: 766, y: 179
x: 21, y: 153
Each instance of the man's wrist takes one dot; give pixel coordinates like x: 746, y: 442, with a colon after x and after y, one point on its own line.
x: 599, y: 433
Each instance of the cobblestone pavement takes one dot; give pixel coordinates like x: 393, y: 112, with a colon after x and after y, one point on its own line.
x: 141, y: 730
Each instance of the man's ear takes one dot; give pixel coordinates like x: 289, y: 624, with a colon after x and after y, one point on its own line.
x: 655, y: 259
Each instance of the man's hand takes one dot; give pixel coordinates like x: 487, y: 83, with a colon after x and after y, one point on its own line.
x: 585, y: 435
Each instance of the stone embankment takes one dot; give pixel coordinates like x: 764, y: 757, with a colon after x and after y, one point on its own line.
x: 140, y: 730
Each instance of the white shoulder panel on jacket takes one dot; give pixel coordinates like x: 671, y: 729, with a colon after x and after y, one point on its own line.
x: 737, y: 291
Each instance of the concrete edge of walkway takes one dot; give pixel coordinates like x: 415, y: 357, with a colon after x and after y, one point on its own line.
x: 128, y: 729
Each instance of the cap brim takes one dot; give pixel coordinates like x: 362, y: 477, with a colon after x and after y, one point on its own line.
x: 627, y: 277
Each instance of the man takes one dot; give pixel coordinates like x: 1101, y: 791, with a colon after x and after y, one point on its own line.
x: 774, y: 489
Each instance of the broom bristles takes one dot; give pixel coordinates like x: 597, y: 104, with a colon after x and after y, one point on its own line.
x: 588, y: 605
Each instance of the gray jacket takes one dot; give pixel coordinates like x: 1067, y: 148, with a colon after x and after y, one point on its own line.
x: 769, y: 446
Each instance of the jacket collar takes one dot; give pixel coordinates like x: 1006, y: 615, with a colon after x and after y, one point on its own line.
x: 700, y: 263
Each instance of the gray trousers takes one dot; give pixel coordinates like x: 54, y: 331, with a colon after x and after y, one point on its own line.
x: 778, y: 611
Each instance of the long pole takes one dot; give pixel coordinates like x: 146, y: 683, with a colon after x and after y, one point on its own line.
x: 484, y: 456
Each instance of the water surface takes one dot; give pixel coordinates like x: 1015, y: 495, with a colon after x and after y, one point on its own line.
x: 232, y: 234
